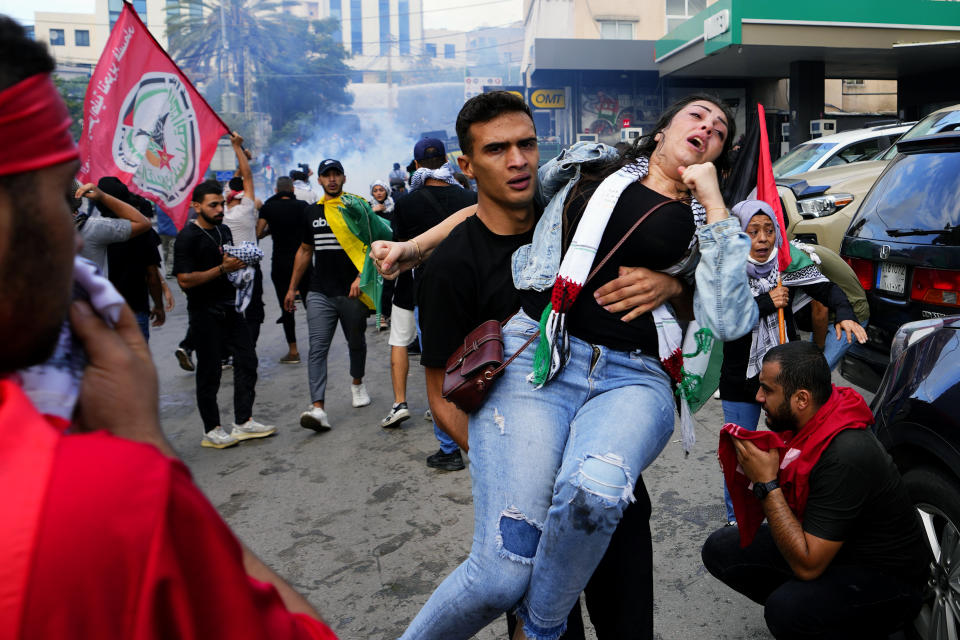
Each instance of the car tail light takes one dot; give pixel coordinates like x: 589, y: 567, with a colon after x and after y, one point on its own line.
x: 911, y: 333
x: 864, y: 270
x: 936, y: 286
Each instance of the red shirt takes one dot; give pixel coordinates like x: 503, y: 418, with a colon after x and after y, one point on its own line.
x: 124, y: 545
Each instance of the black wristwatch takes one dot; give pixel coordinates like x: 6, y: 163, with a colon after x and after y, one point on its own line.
x: 761, y: 489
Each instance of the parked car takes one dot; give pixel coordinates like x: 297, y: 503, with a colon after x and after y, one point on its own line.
x: 820, y: 204
x: 904, y: 245
x: 918, y: 423
x: 838, y: 149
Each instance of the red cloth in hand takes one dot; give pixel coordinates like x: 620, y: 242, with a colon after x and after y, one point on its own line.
x: 799, y: 453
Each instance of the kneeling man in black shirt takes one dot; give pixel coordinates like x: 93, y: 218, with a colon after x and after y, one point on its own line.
x: 842, y: 555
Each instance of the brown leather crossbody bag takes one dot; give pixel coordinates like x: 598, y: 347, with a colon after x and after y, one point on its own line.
x: 478, y: 362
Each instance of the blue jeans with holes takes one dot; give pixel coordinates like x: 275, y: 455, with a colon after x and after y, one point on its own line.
x: 746, y: 415
x: 552, y: 470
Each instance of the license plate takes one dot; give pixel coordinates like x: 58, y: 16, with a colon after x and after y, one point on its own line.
x: 891, y: 277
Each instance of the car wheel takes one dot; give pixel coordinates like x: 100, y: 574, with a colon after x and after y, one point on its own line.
x: 937, y: 499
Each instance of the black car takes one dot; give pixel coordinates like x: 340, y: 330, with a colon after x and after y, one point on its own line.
x: 918, y: 421
x: 904, y: 245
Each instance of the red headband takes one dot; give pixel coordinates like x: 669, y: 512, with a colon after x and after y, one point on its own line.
x: 34, y: 127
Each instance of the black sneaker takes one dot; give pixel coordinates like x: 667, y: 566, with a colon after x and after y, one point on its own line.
x: 185, y: 358
x: 446, y: 461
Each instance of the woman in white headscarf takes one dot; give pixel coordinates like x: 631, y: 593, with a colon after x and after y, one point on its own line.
x: 382, y: 204
x: 380, y: 199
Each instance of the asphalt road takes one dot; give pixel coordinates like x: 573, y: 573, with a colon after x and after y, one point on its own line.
x: 357, y: 521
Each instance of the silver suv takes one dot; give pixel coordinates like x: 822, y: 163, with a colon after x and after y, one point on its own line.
x: 820, y: 204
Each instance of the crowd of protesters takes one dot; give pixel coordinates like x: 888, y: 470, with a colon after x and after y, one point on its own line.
x: 593, y: 263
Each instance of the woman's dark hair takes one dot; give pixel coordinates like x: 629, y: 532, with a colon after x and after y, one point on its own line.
x: 646, y: 145
x: 593, y: 174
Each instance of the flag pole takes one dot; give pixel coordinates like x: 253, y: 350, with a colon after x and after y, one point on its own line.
x: 781, y: 320
x: 767, y: 191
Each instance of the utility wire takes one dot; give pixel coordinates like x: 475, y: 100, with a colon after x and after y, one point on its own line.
x: 373, y: 17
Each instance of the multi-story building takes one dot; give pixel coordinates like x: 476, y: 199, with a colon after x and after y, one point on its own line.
x: 380, y: 35
x: 77, y: 39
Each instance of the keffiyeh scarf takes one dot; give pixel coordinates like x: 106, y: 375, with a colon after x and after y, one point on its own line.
x: 54, y: 386
x: 553, y: 349
x: 444, y: 174
x: 242, y: 279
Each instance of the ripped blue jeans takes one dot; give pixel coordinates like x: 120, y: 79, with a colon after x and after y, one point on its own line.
x: 552, y: 470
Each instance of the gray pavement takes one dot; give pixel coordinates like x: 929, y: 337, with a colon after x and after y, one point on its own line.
x: 360, y: 525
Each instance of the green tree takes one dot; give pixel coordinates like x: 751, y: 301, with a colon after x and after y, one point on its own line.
x: 73, y: 91
x: 227, y: 43
x: 307, y: 81
x: 249, y: 55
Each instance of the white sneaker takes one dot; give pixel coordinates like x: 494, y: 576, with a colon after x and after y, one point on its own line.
x: 398, y: 413
x: 316, y: 419
x: 252, y: 429
x: 360, y: 396
x: 218, y: 439
x: 427, y: 415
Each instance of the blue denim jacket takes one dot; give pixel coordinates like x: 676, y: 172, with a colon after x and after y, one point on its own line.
x: 535, y: 265
x: 722, y: 298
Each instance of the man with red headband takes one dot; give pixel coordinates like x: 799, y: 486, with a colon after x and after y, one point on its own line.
x: 103, y: 535
x: 843, y: 554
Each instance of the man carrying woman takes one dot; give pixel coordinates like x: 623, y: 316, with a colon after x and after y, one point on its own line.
x: 554, y: 462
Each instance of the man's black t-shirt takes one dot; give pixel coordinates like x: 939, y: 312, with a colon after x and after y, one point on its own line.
x: 333, y: 271
x: 857, y: 496
x: 467, y: 281
x: 285, y: 219
x: 413, y: 214
x: 659, y: 242
x: 199, y: 249
x: 128, y: 262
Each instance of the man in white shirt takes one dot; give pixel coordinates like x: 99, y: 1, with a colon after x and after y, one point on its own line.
x: 301, y: 186
x: 241, y: 217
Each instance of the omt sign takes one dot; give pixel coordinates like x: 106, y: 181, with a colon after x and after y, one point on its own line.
x: 548, y: 99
